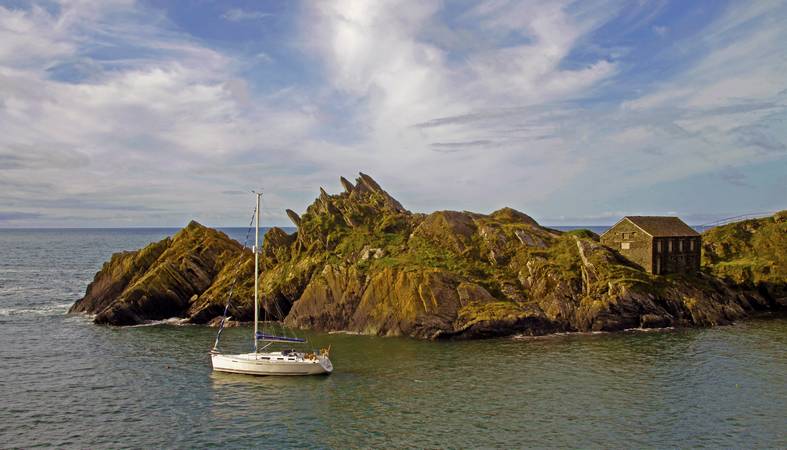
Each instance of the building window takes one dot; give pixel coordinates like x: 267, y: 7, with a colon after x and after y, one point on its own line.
x: 625, y: 245
x: 669, y: 246
x: 680, y: 245
x: 691, y: 245
x: 658, y: 246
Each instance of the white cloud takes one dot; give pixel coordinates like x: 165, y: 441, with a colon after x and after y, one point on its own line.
x: 29, y: 39
x: 139, y: 134
x: 264, y: 57
x: 487, y: 108
x: 440, y: 120
x: 661, y: 31
x: 237, y: 15
x: 501, y: 123
x: 726, y: 102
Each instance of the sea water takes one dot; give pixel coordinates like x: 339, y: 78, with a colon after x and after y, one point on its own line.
x: 65, y: 382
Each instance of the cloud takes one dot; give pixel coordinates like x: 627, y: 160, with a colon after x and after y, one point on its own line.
x: 548, y: 107
x: 264, y: 57
x: 422, y: 101
x: 759, y: 137
x: 661, y: 31
x: 459, y: 146
x: 516, y: 119
x: 137, y: 130
x: 32, y: 158
x: 11, y: 216
x: 734, y: 176
x: 238, y: 15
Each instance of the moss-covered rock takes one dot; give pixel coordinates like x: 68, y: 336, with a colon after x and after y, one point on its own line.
x: 751, y: 254
x: 361, y: 262
x: 234, y: 283
x: 122, y: 270
x: 160, y: 280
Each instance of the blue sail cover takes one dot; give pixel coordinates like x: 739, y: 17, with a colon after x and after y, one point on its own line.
x: 270, y: 337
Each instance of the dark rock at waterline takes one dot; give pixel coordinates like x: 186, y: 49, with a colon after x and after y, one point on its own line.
x: 361, y: 262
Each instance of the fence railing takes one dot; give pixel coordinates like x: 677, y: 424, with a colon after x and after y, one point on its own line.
x: 739, y: 218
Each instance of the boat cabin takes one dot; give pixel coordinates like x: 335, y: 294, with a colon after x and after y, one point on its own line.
x: 658, y: 244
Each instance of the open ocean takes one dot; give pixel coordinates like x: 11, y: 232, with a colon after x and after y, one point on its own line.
x: 65, y: 382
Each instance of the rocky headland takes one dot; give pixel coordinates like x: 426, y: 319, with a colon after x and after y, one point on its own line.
x: 361, y: 262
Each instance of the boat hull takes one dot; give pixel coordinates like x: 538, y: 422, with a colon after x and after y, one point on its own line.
x: 262, y: 365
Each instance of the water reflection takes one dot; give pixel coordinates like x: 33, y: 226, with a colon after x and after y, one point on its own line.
x: 715, y: 387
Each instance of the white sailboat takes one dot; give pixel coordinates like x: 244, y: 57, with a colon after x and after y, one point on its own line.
x: 260, y: 361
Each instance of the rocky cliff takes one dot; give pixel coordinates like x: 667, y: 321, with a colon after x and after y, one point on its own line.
x: 751, y: 254
x: 161, y: 280
x: 361, y: 262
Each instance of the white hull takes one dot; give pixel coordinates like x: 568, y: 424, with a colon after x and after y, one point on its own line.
x: 272, y: 363
x: 286, y: 362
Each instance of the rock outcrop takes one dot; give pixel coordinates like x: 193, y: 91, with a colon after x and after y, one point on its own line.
x: 751, y: 254
x: 160, y: 280
x: 361, y: 262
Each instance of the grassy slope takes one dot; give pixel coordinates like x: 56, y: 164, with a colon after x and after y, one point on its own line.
x: 748, y: 252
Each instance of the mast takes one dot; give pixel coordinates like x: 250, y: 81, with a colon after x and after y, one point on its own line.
x: 256, y: 270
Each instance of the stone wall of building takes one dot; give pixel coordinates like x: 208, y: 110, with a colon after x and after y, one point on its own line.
x: 631, y: 242
x: 676, y: 254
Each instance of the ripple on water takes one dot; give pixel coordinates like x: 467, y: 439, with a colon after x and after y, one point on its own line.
x: 68, y: 383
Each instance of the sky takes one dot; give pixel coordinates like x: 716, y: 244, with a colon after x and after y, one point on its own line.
x: 118, y: 113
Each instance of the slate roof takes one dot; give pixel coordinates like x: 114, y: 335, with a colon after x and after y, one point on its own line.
x: 662, y: 226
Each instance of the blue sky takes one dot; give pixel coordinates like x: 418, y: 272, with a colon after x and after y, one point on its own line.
x: 151, y: 113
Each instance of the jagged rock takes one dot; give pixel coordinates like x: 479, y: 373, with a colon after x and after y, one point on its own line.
x: 216, y: 322
x: 329, y: 300
x: 495, y: 240
x: 233, y: 284
x: 347, y: 185
x: 325, y: 200
x: 750, y: 254
x: 494, y: 319
x: 419, y: 303
x: 276, y: 245
x: 367, y: 182
x: 365, y: 185
x: 529, y: 239
x: 510, y: 215
x: 450, y: 230
x: 326, y: 205
x: 116, y: 275
x: 371, y: 253
x: 294, y: 217
x: 512, y: 293
x: 589, y: 276
x: 473, y: 293
x: 655, y: 321
x: 360, y: 262
x: 350, y: 221
x: 159, y: 281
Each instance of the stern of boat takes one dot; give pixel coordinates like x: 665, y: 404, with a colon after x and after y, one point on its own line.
x: 326, y: 364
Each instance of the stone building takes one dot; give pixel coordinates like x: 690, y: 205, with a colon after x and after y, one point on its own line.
x: 658, y: 244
